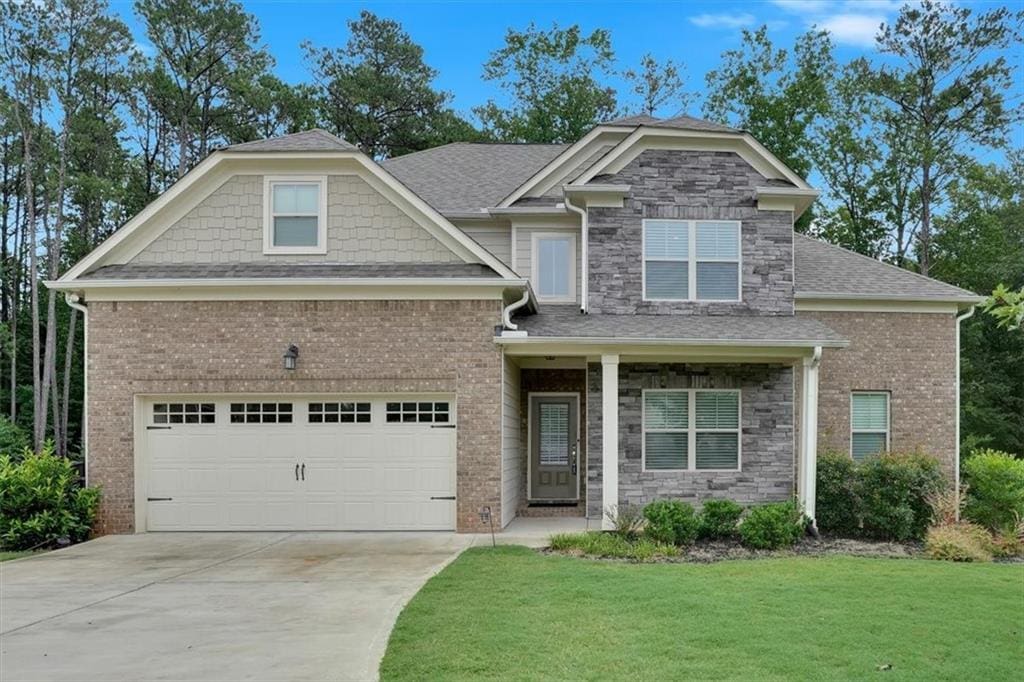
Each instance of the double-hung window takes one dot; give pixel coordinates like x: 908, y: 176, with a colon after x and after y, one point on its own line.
x: 691, y: 260
x: 869, y: 422
x: 691, y: 430
x: 295, y: 215
x: 554, y: 267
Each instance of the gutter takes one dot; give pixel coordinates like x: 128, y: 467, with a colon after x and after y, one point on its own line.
x: 522, y: 338
x: 74, y: 301
x: 956, y: 464
x: 584, y: 253
x: 506, y: 314
x: 79, y: 284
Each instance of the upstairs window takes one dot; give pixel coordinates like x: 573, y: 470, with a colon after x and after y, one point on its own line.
x: 295, y: 215
x: 554, y: 267
x: 869, y: 422
x: 691, y: 260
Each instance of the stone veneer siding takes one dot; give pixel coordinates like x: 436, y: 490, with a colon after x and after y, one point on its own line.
x: 767, y: 437
x: 910, y: 355
x: 689, y: 185
x: 346, y: 347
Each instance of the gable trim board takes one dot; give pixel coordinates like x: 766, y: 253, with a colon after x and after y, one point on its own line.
x: 217, y: 168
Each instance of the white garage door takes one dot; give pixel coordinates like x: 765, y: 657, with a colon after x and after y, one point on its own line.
x: 281, y: 463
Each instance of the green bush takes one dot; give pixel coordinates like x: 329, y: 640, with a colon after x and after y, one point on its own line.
x: 671, y: 522
x: 41, y: 501
x: 13, y: 440
x: 995, y: 497
x: 894, y: 491
x: 838, y: 502
x: 772, y: 526
x: 959, y: 542
x: 718, y: 519
x: 627, y: 520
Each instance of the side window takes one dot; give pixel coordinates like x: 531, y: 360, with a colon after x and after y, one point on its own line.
x: 869, y: 423
x: 554, y: 267
x: 295, y: 214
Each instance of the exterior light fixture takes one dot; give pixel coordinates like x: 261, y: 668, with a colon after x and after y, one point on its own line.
x: 291, y: 356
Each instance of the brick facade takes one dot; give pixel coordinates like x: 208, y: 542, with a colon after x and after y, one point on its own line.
x: 767, y: 443
x: 138, y: 348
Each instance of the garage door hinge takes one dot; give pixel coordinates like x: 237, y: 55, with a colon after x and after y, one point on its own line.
x: 444, y: 497
x: 159, y: 499
x: 442, y: 426
x: 157, y: 428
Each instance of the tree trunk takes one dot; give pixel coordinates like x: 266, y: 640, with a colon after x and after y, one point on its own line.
x: 183, y: 144
x: 925, y: 237
x: 69, y: 356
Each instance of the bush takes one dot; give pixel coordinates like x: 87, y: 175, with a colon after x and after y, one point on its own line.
x: 959, y: 542
x: 894, y: 490
x: 670, y: 522
x: 838, y: 503
x: 610, y: 545
x: 718, y: 519
x: 13, y: 440
x: 627, y: 519
x: 1009, y: 542
x: 772, y: 526
x: 996, y: 495
x: 41, y: 501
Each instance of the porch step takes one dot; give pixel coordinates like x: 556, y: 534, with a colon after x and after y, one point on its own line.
x: 548, y: 510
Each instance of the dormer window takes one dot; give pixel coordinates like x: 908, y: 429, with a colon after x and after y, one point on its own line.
x: 295, y: 215
x: 691, y: 260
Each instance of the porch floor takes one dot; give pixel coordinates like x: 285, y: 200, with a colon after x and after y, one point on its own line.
x: 535, y: 532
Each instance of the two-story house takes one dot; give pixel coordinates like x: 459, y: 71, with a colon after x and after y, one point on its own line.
x: 294, y: 336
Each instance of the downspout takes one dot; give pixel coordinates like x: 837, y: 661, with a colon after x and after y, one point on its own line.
x: 584, y: 260
x: 506, y: 315
x: 74, y: 300
x: 956, y: 464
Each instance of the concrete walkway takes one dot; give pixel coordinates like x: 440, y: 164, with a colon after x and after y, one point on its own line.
x: 213, y: 606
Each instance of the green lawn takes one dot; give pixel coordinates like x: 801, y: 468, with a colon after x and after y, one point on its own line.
x: 511, y: 613
x: 7, y: 556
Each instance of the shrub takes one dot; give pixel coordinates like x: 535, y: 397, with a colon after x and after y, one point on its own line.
x: 13, y: 440
x: 838, y: 503
x: 959, y: 542
x: 772, y: 526
x: 41, y: 501
x: 670, y: 522
x: 1009, y: 542
x: 627, y: 519
x: 996, y: 495
x: 894, y: 490
x: 718, y: 519
x: 610, y: 545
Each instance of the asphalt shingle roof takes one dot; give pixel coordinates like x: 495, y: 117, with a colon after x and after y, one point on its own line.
x: 315, y: 140
x: 821, y: 268
x: 567, y: 322
x: 289, y: 270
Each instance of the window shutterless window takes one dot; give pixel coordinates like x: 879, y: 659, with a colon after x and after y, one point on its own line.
x: 554, y: 266
x: 691, y: 430
x: 691, y: 260
x: 869, y: 423
x: 295, y: 215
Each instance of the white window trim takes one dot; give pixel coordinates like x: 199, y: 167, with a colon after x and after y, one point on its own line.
x: 888, y: 418
x: 535, y: 238
x: 691, y: 259
x: 691, y: 430
x: 268, y: 215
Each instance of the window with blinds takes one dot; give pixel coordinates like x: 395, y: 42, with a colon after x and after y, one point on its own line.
x: 554, y: 434
x: 691, y: 429
x: 869, y: 424
x: 691, y: 260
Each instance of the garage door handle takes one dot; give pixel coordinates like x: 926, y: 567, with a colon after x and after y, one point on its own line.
x: 444, y: 497
x: 159, y: 499
x: 296, y: 472
x: 442, y: 426
x: 303, y: 471
x: 157, y: 428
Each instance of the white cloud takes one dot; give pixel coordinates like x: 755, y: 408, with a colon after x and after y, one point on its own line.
x: 874, y: 5
x: 853, y: 29
x: 723, y: 20
x: 803, y: 6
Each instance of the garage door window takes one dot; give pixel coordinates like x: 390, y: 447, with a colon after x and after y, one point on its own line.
x: 184, y: 413
x: 261, y: 413
x: 339, y: 413
x: 418, y: 412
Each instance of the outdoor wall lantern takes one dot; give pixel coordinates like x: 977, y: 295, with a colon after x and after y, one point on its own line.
x: 291, y: 356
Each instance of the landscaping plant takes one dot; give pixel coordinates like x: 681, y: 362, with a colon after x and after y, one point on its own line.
x: 13, y: 440
x: 963, y: 541
x: 996, y: 495
x: 718, y: 520
x: 671, y: 522
x: 772, y: 526
x: 627, y: 520
x: 894, y: 490
x: 41, y: 501
x: 838, y: 502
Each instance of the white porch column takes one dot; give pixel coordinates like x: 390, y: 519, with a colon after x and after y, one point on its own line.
x: 809, y: 435
x: 609, y: 437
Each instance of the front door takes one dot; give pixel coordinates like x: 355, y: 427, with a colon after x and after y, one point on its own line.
x: 554, y: 448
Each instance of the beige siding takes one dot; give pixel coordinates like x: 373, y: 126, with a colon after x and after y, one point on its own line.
x: 497, y: 240
x: 362, y: 227
x: 511, y: 443
x: 524, y: 252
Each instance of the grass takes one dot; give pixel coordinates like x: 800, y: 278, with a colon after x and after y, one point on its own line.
x: 8, y: 555
x: 512, y: 613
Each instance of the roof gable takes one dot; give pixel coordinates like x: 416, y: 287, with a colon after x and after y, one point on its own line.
x: 316, y: 140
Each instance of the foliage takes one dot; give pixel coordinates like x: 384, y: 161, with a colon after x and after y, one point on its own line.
x: 612, y: 546
x: 1009, y: 542
x: 1007, y: 307
x: 838, y: 504
x: 41, y: 502
x: 772, y: 526
x: 959, y: 542
x: 627, y: 520
x: 718, y: 519
x: 553, y: 81
x: 995, y: 498
x: 13, y: 440
x: 894, y: 490
x: 671, y: 522
x: 657, y: 85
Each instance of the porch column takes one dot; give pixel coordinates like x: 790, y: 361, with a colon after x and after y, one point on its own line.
x: 809, y: 435
x: 609, y: 437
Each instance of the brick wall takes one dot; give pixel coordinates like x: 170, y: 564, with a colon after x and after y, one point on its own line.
x: 766, y: 440
x: 689, y: 185
x: 911, y: 355
x: 345, y: 347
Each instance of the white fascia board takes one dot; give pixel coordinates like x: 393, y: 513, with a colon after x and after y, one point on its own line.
x: 632, y: 352
x: 598, y: 195
x: 86, y: 284
x: 875, y: 306
x: 637, y: 342
x: 557, y: 209
x: 829, y: 296
x: 795, y: 199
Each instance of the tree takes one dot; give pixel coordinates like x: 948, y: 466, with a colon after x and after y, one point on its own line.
x: 657, y: 85
x: 1007, y: 307
x: 947, y: 91
x: 553, y: 81
x: 377, y: 92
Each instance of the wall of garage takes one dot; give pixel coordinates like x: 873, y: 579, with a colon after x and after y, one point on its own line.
x: 142, y: 348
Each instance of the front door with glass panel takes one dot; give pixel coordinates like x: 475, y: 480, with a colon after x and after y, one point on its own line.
x: 554, y: 448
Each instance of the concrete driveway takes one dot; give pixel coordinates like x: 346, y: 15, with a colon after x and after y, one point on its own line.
x: 213, y: 606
